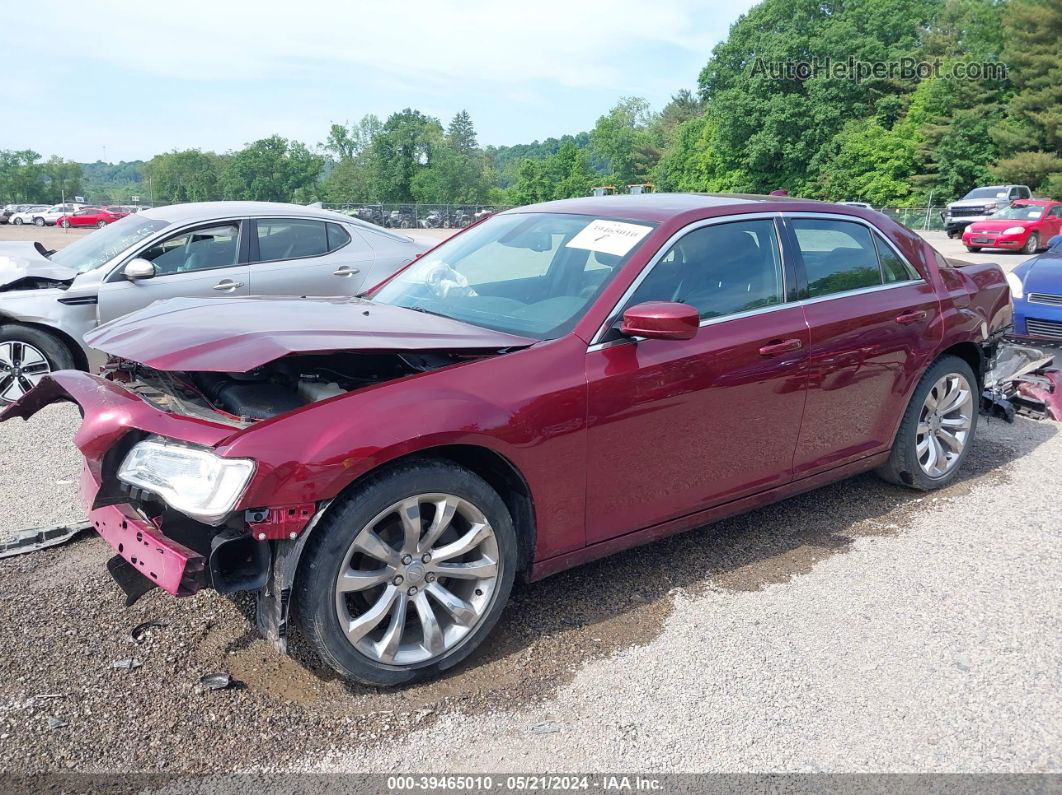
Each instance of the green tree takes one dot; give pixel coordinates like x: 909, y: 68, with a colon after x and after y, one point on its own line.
x: 1029, y: 168
x: 403, y: 147
x: 563, y: 175
x: 691, y: 162
x: 64, y: 178
x: 272, y: 169
x: 461, y: 134
x: 352, y: 173
x: 21, y: 176
x: 187, y: 175
x: 624, y: 139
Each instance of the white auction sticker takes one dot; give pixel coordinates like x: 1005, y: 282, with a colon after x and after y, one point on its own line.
x: 609, y: 237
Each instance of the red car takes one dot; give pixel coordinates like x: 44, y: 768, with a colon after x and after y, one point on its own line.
x: 555, y: 384
x: 1024, y: 226
x: 89, y: 216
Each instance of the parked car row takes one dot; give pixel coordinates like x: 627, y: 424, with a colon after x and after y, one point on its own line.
x: 414, y: 217
x: 67, y: 214
x: 556, y: 384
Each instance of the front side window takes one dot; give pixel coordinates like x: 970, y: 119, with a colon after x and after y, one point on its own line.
x: 531, y: 274
x: 838, y: 255
x: 290, y: 238
x: 199, y: 249
x: 721, y: 269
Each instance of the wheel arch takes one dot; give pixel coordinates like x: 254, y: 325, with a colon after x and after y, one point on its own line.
x: 969, y: 352
x: 80, y: 358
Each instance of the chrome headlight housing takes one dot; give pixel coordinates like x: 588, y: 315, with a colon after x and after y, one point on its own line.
x: 192, y: 480
x: 1014, y: 230
x: 1017, y: 290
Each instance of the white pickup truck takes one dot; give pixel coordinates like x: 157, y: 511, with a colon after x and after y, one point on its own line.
x: 980, y: 203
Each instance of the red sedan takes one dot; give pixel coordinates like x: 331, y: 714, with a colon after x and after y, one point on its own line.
x: 89, y: 216
x: 1024, y: 226
x: 556, y: 384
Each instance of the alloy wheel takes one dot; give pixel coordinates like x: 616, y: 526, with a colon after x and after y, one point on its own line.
x: 418, y: 579
x: 944, y: 424
x: 21, y: 367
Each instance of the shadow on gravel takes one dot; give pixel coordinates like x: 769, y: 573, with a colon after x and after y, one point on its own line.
x: 552, y: 627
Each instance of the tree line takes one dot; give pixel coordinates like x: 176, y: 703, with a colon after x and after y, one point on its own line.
x: 884, y: 140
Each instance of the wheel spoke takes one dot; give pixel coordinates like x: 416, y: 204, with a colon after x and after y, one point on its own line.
x: 31, y: 356
x: 37, y: 368
x: 922, y: 429
x: 5, y: 356
x: 387, y: 648
x: 411, y: 524
x: 464, y: 544
x: 360, y: 580
x: 931, y: 455
x: 457, y: 607
x: 444, y: 515
x: 954, y: 400
x: 361, y: 626
x: 9, y: 388
x: 951, y: 441
x: 960, y: 423
x: 433, y: 641
x: 474, y: 570
x: 939, y: 456
x: 931, y: 399
x: 16, y: 353
x: 375, y: 547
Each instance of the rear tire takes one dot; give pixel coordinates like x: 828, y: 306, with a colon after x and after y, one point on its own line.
x: 38, y: 222
x: 926, y: 426
x: 363, y: 614
x: 27, y: 346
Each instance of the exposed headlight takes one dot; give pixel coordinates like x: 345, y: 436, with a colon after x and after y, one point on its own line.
x: 990, y: 207
x: 1016, y: 289
x: 191, y: 480
x: 1014, y: 230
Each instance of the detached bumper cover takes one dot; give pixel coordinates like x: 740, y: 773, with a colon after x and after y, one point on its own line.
x: 172, y: 567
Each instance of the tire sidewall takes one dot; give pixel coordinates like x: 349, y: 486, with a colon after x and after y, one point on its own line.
x: 1032, y: 245
x: 314, y: 595
x: 905, y: 456
x: 54, y: 350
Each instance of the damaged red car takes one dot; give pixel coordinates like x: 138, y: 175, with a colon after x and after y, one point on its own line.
x: 553, y: 385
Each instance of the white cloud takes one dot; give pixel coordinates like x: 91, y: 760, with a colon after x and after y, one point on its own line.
x: 570, y: 43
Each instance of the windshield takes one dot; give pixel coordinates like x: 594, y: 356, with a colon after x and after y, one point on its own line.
x: 91, y: 251
x: 530, y: 274
x: 986, y: 193
x: 1018, y: 212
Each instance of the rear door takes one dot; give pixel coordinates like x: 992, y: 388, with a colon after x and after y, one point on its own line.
x: 307, y: 256
x: 205, y: 261
x: 874, y: 324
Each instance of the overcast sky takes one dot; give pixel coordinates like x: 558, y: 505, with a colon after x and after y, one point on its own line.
x: 131, y: 79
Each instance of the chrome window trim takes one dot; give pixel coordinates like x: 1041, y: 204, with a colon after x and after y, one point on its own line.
x: 596, y: 344
x: 774, y: 215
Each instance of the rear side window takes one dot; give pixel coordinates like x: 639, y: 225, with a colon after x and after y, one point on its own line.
x: 290, y: 238
x: 893, y: 267
x: 337, y: 236
x: 722, y: 269
x: 838, y: 255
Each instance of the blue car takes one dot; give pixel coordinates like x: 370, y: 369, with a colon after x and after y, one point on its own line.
x: 1036, y: 289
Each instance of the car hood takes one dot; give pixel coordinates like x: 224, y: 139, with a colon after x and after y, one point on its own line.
x: 1044, y: 274
x: 974, y: 202
x: 998, y: 226
x: 239, y: 334
x: 25, y: 260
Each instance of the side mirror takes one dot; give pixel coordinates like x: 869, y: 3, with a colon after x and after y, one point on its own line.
x: 1055, y: 243
x: 661, y: 320
x: 138, y: 268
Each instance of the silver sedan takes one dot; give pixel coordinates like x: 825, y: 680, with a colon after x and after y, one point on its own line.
x: 49, y: 299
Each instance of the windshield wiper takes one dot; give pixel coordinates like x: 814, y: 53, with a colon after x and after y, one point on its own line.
x: 427, y: 311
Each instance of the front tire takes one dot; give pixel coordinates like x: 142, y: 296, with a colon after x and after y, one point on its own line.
x: 973, y: 249
x: 407, y: 574
x: 937, y: 428
x: 17, y: 222
x: 26, y: 356
x: 1032, y: 244
x: 101, y: 224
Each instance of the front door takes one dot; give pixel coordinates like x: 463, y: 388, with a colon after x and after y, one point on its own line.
x: 305, y: 256
x: 874, y: 324
x: 203, y: 262
x: 679, y: 426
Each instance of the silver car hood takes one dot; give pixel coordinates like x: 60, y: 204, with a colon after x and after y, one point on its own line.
x: 23, y: 260
x: 977, y: 202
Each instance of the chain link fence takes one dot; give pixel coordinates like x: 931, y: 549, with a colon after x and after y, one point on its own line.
x: 418, y: 216
x: 920, y: 218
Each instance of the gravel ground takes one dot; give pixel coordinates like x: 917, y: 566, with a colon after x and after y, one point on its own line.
x: 862, y: 627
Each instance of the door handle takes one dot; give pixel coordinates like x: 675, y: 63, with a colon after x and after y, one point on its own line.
x: 780, y: 346
x: 344, y: 270
x: 907, y: 318
x: 227, y: 284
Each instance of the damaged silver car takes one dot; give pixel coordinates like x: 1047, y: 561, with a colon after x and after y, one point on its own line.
x: 50, y: 299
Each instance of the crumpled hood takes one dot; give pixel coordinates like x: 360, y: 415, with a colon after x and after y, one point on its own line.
x: 235, y: 335
x: 21, y: 259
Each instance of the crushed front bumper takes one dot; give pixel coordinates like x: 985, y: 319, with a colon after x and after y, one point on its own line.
x: 1021, y: 379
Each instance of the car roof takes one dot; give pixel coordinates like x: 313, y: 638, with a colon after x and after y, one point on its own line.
x: 1037, y: 202
x: 663, y: 206
x: 205, y: 211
